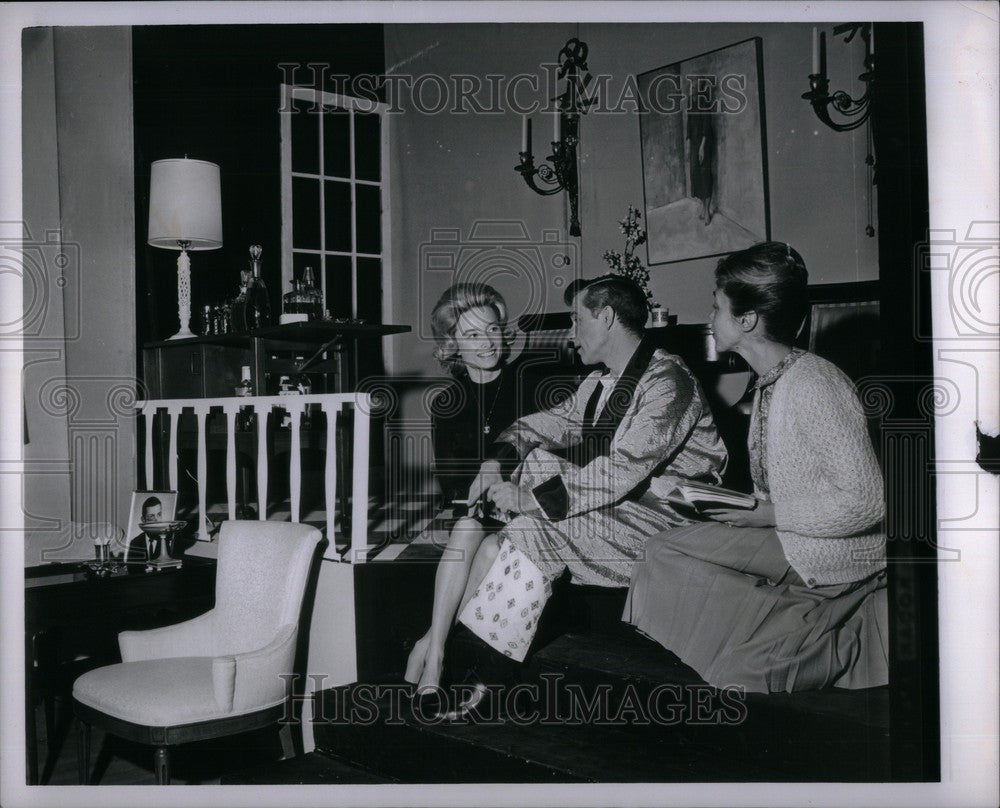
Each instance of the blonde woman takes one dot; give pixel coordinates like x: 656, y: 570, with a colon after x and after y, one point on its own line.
x: 487, y: 393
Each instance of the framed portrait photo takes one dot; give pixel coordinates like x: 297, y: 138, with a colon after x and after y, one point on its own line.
x: 149, y: 506
x: 704, y: 171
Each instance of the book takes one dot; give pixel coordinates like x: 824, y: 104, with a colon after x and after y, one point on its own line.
x: 703, y: 496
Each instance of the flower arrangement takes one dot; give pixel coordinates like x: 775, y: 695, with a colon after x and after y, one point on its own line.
x: 627, y: 264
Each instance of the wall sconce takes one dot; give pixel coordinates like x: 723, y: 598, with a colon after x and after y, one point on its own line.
x: 853, y: 111
x: 561, y: 175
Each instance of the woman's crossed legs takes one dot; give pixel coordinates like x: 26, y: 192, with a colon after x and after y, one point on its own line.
x: 464, y: 564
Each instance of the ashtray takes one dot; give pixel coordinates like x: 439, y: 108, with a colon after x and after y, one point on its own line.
x: 104, y: 569
x: 162, y: 528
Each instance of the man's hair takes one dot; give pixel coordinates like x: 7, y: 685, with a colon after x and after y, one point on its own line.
x: 624, y: 296
x: 150, y: 502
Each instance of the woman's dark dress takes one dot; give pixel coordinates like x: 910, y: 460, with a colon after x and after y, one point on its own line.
x: 458, y: 416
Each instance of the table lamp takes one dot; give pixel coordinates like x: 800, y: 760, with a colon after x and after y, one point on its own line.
x: 185, y: 213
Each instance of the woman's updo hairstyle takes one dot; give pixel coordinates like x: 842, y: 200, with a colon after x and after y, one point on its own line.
x: 456, y: 301
x: 769, y: 278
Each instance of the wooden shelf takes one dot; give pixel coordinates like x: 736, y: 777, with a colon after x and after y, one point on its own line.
x: 323, y: 331
x: 312, y: 333
x: 237, y: 340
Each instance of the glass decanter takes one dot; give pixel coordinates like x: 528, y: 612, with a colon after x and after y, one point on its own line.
x: 258, y: 306
x: 295, y: 304
x: 314, y: 297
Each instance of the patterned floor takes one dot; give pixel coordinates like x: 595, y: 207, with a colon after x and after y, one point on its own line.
x: 409, y: 528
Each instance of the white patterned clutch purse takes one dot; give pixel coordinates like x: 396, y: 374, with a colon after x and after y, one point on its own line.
x: 504, y: 610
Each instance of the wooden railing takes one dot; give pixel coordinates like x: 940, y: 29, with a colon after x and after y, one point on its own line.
x: 332, y: 404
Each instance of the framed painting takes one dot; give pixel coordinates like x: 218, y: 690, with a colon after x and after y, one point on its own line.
x: 704, y: 164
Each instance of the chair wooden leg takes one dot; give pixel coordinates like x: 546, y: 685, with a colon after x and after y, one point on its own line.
x: 161, y: 763
x: 287, y: 742
x: 31, y: 739
x: 50, y: 717
x: 102, y: 761
x: 61, y: 724
x: 83, y: 752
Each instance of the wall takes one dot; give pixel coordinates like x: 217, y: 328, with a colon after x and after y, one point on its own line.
x: 46, y: 438
x: 452, y: 170
x: 91, y: 199
x: 817, y: 177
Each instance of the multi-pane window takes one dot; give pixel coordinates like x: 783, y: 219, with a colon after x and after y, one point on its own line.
x: 334, y: 198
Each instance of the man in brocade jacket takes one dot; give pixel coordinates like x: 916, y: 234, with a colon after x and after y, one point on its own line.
x: 589, y: 478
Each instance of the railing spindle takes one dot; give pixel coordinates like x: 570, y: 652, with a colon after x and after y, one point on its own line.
x: 230, y: 411
x: 201, y: 413
x: 330, y: 484
x: 359, y: 482
x: 262, y: 413
x: 295, y: 462
x: 174, y: 461
x: 148, y: 413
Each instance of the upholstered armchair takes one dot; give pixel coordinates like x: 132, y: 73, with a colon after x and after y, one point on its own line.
x: 220, y: 673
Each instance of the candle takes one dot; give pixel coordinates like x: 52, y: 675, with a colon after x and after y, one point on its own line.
x: 815, y: 63
x: 555, y: 126
x: 524, y: 133
x: 871, y: 40
x: 822, y: 53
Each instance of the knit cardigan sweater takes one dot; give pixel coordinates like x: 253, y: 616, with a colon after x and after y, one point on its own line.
x: 824, y: 480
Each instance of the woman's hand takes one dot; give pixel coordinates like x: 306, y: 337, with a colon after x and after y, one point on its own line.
x: 510, y: 498
x: 489, y: 475
x: 760, y: 516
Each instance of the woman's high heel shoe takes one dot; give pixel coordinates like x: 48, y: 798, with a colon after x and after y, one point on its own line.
x: 478, y: 704
x: 429, y: 703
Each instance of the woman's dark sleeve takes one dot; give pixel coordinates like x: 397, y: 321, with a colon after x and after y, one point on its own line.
x: 529, y: 377
x: 450, y: 457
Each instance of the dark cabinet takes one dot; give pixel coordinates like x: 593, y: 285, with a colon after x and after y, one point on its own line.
x: 193, y: 369
x: 334, y: 356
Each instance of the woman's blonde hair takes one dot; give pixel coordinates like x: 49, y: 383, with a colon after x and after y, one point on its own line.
x: 456, y: 301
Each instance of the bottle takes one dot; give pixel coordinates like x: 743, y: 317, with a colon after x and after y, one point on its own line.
x: 303, y: 384
x: 244, y: 418
x: 245, y: 387
x: 258, y: 308
x: 239, y: 308
x: 295, y: 305
x: 313, y: 296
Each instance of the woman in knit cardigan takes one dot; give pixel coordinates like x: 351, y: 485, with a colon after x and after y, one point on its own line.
x: 791, y: 594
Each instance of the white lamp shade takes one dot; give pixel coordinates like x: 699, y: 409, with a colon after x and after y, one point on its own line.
x: 185, y: 204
